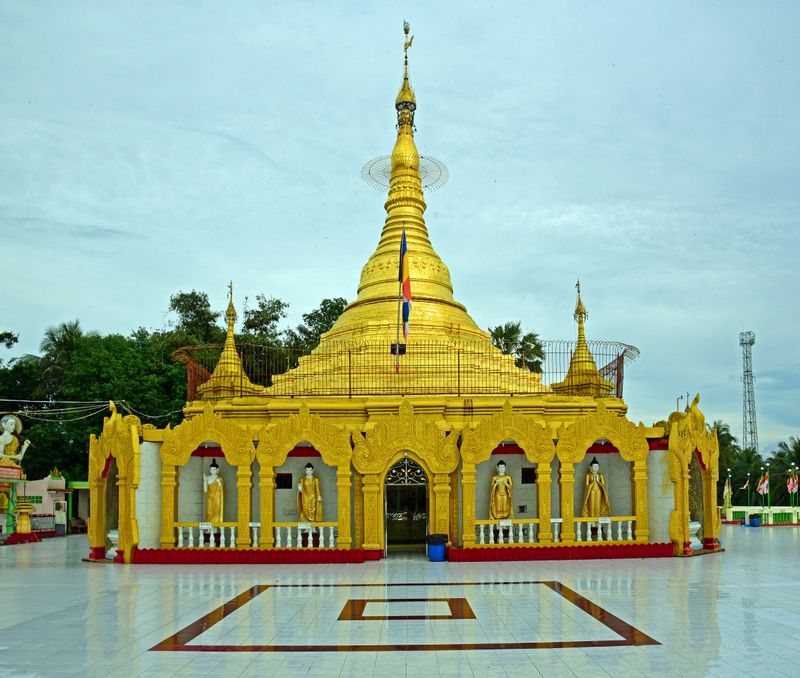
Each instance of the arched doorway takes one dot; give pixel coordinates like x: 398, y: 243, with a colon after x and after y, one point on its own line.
x: 406, y: 504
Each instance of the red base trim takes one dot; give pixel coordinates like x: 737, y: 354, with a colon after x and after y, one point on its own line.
x: 97, y: 553
x: 18, y: 538
x: 595, y: 551
x: 373, y: 555
x: 198, y: 556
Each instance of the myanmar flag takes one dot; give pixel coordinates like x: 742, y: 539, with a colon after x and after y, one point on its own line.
x: 405, y: 283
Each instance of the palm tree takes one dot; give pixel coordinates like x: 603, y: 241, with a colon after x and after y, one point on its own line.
x: 526, y: 348
x: 57, y: 347
x: 729, y: 451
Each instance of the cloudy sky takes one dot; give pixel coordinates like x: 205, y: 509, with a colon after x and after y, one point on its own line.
x: 649, y: 148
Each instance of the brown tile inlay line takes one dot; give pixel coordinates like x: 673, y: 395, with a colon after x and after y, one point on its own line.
x: 179, y: 642
x: 353, y: 609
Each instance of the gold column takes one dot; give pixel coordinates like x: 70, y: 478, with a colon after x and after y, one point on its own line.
x: 169, y: 503
x: 639, y: 477
x: 343, y: 508
x: 567, y: 485
x: 454, y: 527
x: 372, y: 512
x: 468, y: 505
x: 710, y: 515
x: 124, y: 527
x: 266, y: 505
x: 543, y: 501
x: 358, y: 510
x: 97, y: 517
x: 441, y: 493
x: 244, y: 488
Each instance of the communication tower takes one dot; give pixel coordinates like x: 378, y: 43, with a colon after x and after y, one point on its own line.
x: 749, y: 426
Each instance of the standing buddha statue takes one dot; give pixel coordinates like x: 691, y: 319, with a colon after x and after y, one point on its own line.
x: 596, y: 503
x: 215, y: 494
x: 500, y: 507
x: 309, y: 497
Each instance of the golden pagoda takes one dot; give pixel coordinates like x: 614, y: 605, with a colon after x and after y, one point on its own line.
x: 398, y: 444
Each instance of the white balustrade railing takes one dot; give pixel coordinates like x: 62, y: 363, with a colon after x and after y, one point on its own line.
x: 512, y: 531
x: 301, y: 535
x: 614, y: 528
x: 206, y: 535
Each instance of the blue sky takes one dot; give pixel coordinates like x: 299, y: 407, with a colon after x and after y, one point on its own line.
x: 648, y: 148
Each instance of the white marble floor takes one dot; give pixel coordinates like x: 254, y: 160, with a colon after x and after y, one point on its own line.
x: 728, y: 614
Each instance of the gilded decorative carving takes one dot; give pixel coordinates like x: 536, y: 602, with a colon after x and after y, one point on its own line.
x: 374, y: 450
x: 689, y: 435
x: 575, y: 438
x: 277, y: 440
x: 477, y: 443
x: 181, y: 441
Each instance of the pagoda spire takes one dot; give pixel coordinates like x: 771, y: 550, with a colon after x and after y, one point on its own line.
x: 583, y: 377
x: 228, y: 378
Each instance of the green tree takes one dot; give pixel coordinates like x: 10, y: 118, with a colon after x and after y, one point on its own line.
x: 57, y: 347
x: 306, y: 336
x: 197, y: 323
x: 8, y: 339
x: 526, y: 347
x: 261, y: 323
x: 101, y: 368
x: 729, y: 451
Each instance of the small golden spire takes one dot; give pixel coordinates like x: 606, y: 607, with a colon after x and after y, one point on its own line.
x: 228, y: 378
x: 583, y: 377
x: 406, y: 99
x: 230, y: 314
x: 581, y: 314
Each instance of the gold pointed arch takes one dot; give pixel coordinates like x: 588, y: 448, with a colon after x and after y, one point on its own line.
x: 179, y: 442
x: 277, y: 440
x: 478, y: 443
x: 405, y: 431
x: 575, y: 438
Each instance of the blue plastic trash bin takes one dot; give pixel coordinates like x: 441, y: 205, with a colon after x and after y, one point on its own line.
x: 436, y: 547
x: 755, y: 521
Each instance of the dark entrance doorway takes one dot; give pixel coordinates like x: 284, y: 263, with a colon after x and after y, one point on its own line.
x: 406, y: 493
